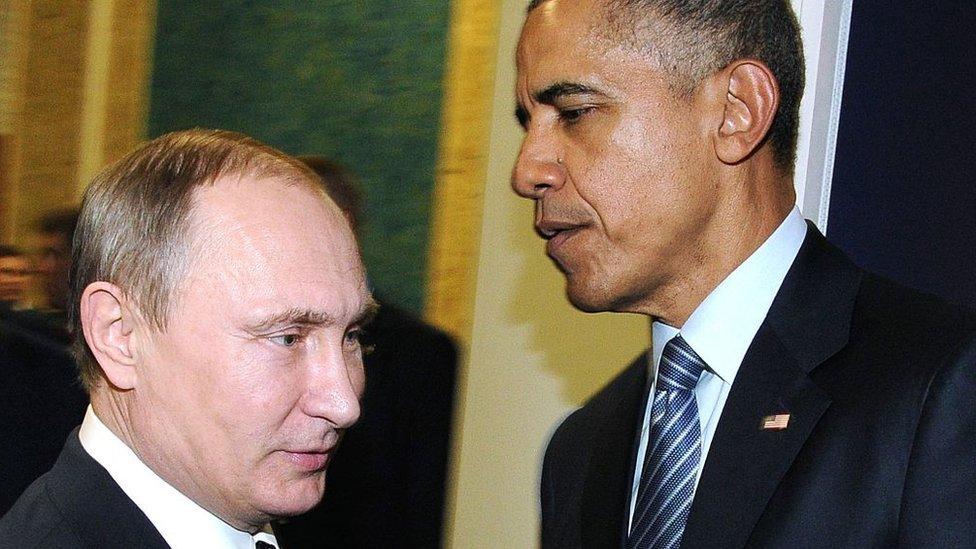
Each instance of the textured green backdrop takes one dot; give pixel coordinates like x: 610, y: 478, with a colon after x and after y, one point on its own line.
x: 356, y: 80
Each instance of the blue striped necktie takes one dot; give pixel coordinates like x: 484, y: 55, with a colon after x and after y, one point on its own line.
x: 673, y: 452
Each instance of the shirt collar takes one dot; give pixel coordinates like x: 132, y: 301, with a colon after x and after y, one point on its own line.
x: 179, y: 520
x: 722, y: 327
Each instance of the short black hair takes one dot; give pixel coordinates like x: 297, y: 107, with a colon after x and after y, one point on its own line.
x: 61, y: 222
x: 692, y: 39
x: 8, y: 250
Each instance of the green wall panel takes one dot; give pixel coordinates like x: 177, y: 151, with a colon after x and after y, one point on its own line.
x: 359, y: 81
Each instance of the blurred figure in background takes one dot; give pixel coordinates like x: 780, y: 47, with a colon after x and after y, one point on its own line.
x: 42, y: 397
x: 55, y: 232
x: 387, y: 484
x: 15, y: 275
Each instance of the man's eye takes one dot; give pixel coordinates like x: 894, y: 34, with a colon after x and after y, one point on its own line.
x: 359, y: 338
x: 355, y: 336
x: 286, y: 340
x: 571, y: 115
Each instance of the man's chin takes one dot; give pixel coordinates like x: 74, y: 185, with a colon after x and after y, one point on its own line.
x: 599, y: 298
x: 299, y: 497
x: 587, y: 299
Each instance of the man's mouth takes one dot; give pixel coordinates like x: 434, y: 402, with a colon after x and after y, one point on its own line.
x: 558, y: 239
x: 556, y: 233
x: 310, y: 461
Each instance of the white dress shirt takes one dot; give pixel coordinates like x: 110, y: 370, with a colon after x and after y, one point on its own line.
x: 180, y: 521
x: 721, y: 329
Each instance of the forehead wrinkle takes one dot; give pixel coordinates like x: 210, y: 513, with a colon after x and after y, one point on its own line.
x: 562, y: 37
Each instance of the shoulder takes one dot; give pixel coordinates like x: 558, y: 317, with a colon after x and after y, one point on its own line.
x: 928, y: 374
x: 571, y: 439
x: 880, y: 299
x: 78, y: 504
x: 910, y: 328
x: 901, y: 345
x: 36, y: 520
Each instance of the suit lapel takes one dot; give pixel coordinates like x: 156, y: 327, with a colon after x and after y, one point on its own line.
x: 606, y: 489
x: 100, y: 512
x: 807, y: 323
x: 746, y: 463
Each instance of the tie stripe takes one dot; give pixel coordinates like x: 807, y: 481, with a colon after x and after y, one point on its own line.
x: 673, y: 452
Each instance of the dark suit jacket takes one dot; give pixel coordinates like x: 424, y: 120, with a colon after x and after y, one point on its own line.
x: 881, y: 446
x: 77, y: 504
x: 385, y: 486
x: 42, y: 401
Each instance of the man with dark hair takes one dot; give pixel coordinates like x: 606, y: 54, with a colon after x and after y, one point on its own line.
x: 340, y: 186
x: 39, y: 388
x: 15, y: 275
x: 55, y: 233
x: 387, y: 485
x: 790, y: 399
x: 218, y: 298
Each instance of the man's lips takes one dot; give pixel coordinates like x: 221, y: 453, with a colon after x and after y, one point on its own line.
x: 309, y: 460
x: 556, y: 232
x: 557, y: 240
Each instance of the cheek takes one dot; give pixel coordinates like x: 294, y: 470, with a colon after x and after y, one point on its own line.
x: 264, y: 379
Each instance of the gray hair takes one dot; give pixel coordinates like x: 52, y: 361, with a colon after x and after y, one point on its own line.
x: 134, y: 221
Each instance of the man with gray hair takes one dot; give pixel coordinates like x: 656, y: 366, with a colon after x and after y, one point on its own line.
x: 790, y: 399
x: 217, y: 295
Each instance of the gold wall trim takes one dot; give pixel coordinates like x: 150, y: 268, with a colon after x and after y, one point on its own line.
x: 74, y: 82
x: 129, y: 73
x: 117, y: 83
x: 96, y: 84
x: 461, y: 166
x: 48, y: 126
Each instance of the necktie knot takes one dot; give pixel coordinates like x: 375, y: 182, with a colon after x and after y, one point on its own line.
x: 680, y: 366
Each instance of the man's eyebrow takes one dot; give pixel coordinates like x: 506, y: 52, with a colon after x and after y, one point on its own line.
x: 368, y: 312
x: 292, y: 317
x: 307, y: 317
x: 549, y: 94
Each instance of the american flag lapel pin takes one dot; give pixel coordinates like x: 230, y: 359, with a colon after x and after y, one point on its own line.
x: 775, y: 422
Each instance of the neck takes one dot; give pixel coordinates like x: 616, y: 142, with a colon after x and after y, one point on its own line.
x: 114, y: 409
x: 110, y: 408
x: 743, y: 220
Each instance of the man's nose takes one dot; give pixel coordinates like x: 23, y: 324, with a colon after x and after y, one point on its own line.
x: 538, y: 168
x: 335, y: 385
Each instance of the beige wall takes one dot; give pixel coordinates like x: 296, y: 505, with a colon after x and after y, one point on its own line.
x: 48, y: 128
x: 73, y: 80
x: 532, y: 357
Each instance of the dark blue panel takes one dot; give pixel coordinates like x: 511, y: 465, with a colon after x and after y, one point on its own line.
x: 903, y: 201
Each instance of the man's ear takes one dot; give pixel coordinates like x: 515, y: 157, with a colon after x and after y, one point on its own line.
x: 751, y: 100
x: 109, y: 329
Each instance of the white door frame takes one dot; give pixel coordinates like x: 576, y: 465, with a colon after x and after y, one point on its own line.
x: 826, y: 26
